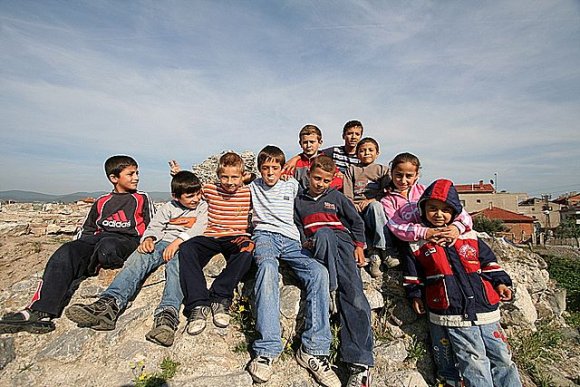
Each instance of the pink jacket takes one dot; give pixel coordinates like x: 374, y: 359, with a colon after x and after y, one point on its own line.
x: 394, y: 200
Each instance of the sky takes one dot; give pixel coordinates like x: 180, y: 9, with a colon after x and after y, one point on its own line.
x: 477, y: 90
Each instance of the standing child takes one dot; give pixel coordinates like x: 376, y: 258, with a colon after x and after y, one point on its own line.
x: 330, y: 226
x: 109, y: 234
x: 278, y: 239
x: 364, y: 185
x: 174, y: 223
x: 227, y: 233
x: 460, y: 285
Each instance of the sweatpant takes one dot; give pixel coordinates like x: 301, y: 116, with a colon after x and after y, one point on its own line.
x: 196, y: 253
x: 74, y: 261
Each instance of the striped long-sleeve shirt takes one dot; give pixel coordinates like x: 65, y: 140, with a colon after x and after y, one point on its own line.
x: 228, y: 213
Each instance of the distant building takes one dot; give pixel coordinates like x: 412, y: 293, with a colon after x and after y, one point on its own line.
x: 479, y: 196
x: 570, y: 206
x: 545, y: 213
x: 521, y: 227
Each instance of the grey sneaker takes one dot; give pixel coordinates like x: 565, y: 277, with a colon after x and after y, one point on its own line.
x: 164, y: 327
x: 196, y: 320
x: 375, y: 266
x: 221, y: 314
x: 360, y: 376
x: 260, y: 369
x: 27, y: 320
x: 319, y: 367
x: 391, y: 262
x: 101, y: 315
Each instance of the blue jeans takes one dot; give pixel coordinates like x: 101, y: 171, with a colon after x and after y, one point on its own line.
x: 375, y: 222
x: 136, y: 268
x: 336, y: 250
x: 271, y: 247
x: 443, y: 355
x: 483, y: 356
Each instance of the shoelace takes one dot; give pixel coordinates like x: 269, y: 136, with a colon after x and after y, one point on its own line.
x: 264, y: 360
x: 167, y: 318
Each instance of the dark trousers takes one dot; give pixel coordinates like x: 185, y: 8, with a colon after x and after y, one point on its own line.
x: 74, y: 261
x: 336, y: 251
x: 195, y: 254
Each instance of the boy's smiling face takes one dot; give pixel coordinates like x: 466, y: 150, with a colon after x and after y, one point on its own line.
x: 438, y: 213
x: 310, y: 144
x: 319, y: 181
x: 367, y: 153
x: 189, y: 200
x: 230, y: 178
x: 271, y: 170
x: 127, y: 180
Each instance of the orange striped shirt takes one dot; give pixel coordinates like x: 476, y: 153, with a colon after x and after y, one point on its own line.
x: 228, y: 213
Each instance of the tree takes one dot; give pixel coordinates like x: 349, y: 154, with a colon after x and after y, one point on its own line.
x: 569, y: 229
x: 491, y: 226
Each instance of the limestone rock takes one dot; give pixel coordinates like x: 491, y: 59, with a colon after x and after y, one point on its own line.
x: 7, y: 353
x: 14, y: 229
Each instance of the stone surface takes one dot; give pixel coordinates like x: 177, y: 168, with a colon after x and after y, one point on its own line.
x: 7, y: 353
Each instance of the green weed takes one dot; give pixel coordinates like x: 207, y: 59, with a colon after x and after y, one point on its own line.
x: 141, y: 378
x: 416, y: 349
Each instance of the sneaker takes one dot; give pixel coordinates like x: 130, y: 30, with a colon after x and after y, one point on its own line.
x: 360, y: 376
x: 375, y: 266
x: 164, y: 327
x: 101, y: 315
x: 221, y: 314
x: 260, y: 369
x: 196, y: 320
x: 391, y: 262
x: 27, y: 320
x: 319, y: 367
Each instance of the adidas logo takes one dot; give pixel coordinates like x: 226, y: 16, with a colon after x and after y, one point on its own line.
x: 117, y: 220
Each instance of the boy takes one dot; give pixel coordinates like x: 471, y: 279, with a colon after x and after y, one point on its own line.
x: 364, y: 185
x: 174, y: 223
x: 310, y: 139
x: 460, y: 285
x: 109, y: 234
x: 227, y: 233
x: 345, y: 155
x: 331, y: 227
x: 277, y: 238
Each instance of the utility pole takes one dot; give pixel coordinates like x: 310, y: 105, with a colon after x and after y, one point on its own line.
x: 546, y: 208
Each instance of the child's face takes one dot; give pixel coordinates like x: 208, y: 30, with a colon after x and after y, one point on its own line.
x: 189, y: 200
x: 310, y: 144
x: 230, y: 178
x: 127, y: 180
x: 352, y: 136
x: 405, y: 175
x: 271, y: 170
x: 319, y: 181
x: 367, y: 153
x: 438, y: 213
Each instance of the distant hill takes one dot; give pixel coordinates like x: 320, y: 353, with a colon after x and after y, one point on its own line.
x: 31, y: 197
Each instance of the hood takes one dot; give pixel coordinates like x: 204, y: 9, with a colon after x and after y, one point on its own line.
x: 443, y: 190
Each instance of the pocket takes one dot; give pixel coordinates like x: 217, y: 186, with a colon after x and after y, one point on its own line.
x: 436, y: 294
x: 489, y: 292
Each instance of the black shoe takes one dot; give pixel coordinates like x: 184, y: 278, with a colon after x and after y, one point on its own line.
x: 101, y: 315
x: 27, y: 320
x: 164, y: 327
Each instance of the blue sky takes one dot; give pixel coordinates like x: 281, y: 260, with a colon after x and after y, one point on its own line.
x: 472, y: 88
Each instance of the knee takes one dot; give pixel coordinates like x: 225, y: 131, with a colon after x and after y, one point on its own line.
x: 267, y: 267
x: 319, y: 276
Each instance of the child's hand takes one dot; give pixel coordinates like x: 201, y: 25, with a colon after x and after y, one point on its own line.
x: 362, y: 205
x: 308, y: 244
x: 174, y: 167
x: 432, y: 235
x: 171, y: 249
x: 147, y: 246
x: 248, y: 177
x: 290, y: 166
x: 359, y: 256
x: 418, y: 306
x: 449, y: 234
x: 505, y: 293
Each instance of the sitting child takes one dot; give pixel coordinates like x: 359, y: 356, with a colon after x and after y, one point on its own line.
x: 364, y: 185
x: 109, y: 234
x: 460, y: 284
x: 331, y: 227
x: 174, y: 223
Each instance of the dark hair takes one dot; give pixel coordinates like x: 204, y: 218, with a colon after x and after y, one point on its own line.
x: 365, y: 141
x: 324, y: 162
x: 310, y: 129
x: 352, y: 124
x: 271, y: 152
x: 184, y: 182
x: 230, y: 159
x: 405, y: 157
x: 115, y: 164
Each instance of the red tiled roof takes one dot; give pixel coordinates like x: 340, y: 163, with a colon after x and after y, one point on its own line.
x: 474, y: 188
x: 503, y: 215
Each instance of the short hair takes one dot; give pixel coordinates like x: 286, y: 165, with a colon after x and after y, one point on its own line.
x: 230, y: 159
x: 185, y: 182
x: 405, y: 157
x: 352, y: 124
x: 271, y: 152
x: 115, y: 164
x: 310, y: 129
x: 324, y: 162
x: 367, y: 140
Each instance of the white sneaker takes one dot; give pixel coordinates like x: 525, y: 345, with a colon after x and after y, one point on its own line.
x: 375, y: 266
x: 260, y: 369
x: 221, y: 315
x: 319, y: 367
x: 197, y: 320
x: 360, y: 376
x: 391, y: 262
